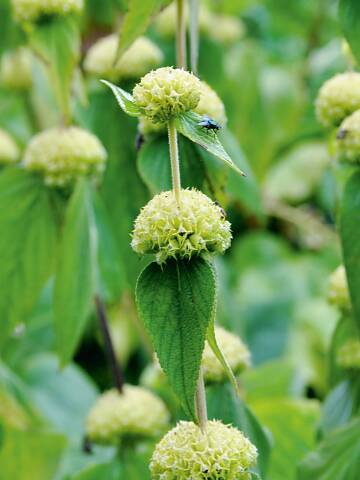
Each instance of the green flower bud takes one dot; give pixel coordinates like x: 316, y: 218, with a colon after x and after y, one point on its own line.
x: 226, y: 29
x: 195, y: 226
x: 235, y: 352
x: 222, y: 452
x: 338, y: 98
x: 32, y: 10
x: 338, y: 292
x: 167, y: 92
x: 348, y: 138
x: 61, y: 155
x: 16, y: 69
x: 348, y: 355
x: 142, y: 56
x: 134, y: 413
x: 9, y: 152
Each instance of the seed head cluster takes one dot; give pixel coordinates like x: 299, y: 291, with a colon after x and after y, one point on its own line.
x: 348, y: 355
x: 338, y: 292
x: 31, y: 10
x: 348, y: 138
x: 16, y: 69
x: 9, y: 152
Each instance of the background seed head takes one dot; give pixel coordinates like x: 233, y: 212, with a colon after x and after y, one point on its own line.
x: 338, y: 98
x: 184, y: 453
x: 169, y: 230
x: 167, y: 92
x: 15, y: 71
x: 142, y: 56
x: 348, y: 355
x: 348, y: 138
x: 61, y: 155
x: 9, y: 152
x: 338, y: 292
x: 31, y: 10
x: 136, y: 412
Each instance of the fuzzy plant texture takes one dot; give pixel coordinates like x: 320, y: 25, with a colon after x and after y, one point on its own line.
x: 15, y: 70
x: 26, y: 11
x: 142, y: 56
x: 338, y: 98
x: 61, y: 155
x: 9, y: 152
x: 134, y: 413
x: 235, y: 351
x: 170, y: 230
x: 166, y: 93
x: 348, y: 355
x: 222, y: 453
x: 348, y: 138
x: 338, y: 292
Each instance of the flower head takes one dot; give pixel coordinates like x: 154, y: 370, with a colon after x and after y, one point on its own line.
x: 32, y: 10
x: 136, y: 412
x: 348, y: 138
x: 338, y: 292
x: 16, y: 69
x: 167, y: 92
x: 64, y: 154
x: 168, y: 229
x: 226, y: 29
x: 184, y: 453
x: 235, y: 352
x: 142, y: 56
x: 9, y: 152
x: 348, y: 355
x: 338, y: 98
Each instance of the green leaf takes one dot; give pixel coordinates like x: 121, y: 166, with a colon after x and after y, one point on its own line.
x: 27, y: 244
x: 349, y: 15
x: 176, y: 303
x: 337, y: 456
x: 76, y: 272
x: 136, y: 21
x: 350, y: 235
x: 110, y: 471
x: 124, y: 99
x: 57, y: 43
x: 188, y: 125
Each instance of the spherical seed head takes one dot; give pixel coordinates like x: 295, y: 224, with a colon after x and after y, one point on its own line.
x: 211, y: 105
x: 142, y: 56
x: 134, y: 413
x: 170, y: 230
x: 61, y: 155
x: 348, y: 138
x: 226, y: 29
x: 16, y: 69
x: 235, y: 352
x: 9, y: 152
x: 166, y: 93
x: 338, y: 98
x: 32, y: 10
x: 184, y: 453
x: 338, y: 292
x: 348, y: 355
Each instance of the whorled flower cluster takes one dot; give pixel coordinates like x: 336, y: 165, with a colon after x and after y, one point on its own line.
x: 338, y: 292
x: 31, y: 10
x: 142, y: 56
x: 61, y: 155
x: 338, y: 98
x: 235, y: 351
x: 170, y: 230
x: 134, y: 413
x: 9, y: 152
x: 15, y: 71
x: 348, y: 138
x: 348, y: 355
x: 185, y: 453
x: 166, y: 93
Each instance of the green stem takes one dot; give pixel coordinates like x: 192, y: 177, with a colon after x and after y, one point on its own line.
x: 194, y: 35
x: 174, y: 159
x: 200, y: 403
x: 180, y: 34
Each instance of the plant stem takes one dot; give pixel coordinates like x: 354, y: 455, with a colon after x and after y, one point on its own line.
x: 117, y: 373
x: 194, y: 35
x: 200, y: 403
x: 174, y: 159
x: 180, y: 34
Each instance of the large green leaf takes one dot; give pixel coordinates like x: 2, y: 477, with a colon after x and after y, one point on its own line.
x: 27, y: 244
x: 176, y: 303
x: 337, y: 456
x: 124, y: 99
x: 349, y: 14
x: 350, y: 235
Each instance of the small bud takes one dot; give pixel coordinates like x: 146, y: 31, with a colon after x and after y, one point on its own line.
x: 348, y: 138
x: 61, y: 155
x: 348, y: 355
x: 16, y: 69
x: 338, y: 98
x: 134, y: 413
x: 32, y: 10
x: 9, y: 152
x: 142, y: 56
x: 195, y: 226
x: 166, y: 93
x: 338, y: 292
x: 222, y: 452
x: 235, y: 352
